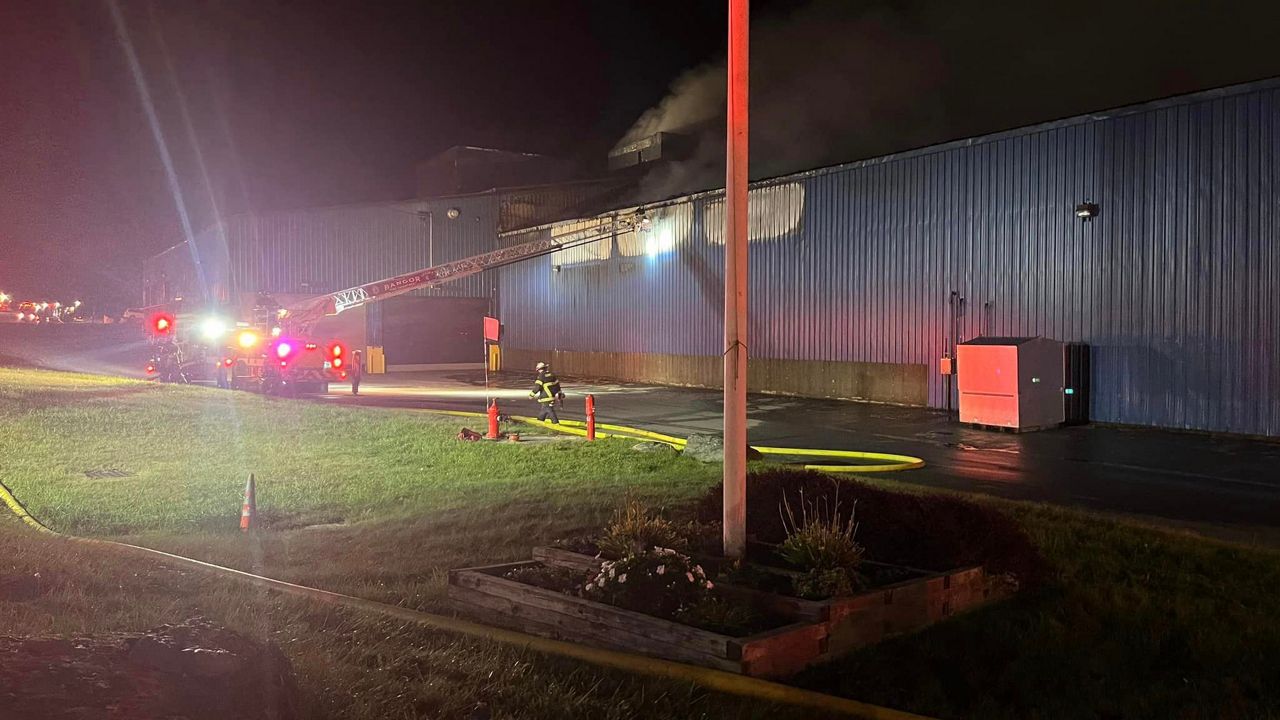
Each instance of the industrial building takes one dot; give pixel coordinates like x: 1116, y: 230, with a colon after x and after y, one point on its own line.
x: 1149, y: 234
x: 299, y: 254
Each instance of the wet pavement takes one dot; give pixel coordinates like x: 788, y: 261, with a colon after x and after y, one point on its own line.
x: 1187, y: 478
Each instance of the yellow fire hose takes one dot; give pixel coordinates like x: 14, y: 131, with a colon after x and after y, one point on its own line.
x: 890, y: 461
x: 717, y: 680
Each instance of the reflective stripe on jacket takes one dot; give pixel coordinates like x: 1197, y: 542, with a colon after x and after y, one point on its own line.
x: 546, y: 387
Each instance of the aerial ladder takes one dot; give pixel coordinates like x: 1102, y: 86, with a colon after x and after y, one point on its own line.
x: 300, y: 316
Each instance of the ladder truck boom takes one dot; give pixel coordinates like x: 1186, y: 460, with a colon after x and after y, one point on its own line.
x: 306, y: 312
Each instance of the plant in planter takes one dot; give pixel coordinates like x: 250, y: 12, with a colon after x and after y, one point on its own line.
x: 658, y: 581
x: 822, y: 547
x: 635, y: 529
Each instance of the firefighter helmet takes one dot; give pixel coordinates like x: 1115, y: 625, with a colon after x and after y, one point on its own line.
x: 541, y: 366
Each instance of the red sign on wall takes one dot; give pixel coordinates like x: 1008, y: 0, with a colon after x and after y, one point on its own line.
x: 491, y: 329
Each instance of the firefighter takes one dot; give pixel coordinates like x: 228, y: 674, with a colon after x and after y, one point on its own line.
x: 357, y: 371
x: 546, y: 390
x: 223, y: 373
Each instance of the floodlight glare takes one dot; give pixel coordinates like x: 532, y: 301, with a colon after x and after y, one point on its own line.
x: 213, y: 328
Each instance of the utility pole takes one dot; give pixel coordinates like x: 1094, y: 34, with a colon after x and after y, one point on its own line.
x: 735, y: 289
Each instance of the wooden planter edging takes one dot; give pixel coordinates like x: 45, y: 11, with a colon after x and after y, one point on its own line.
x: 856, y: 620
x: 774, y: 653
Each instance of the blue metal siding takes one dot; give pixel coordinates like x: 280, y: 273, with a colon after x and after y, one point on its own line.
x: 326, y: 249
x: 1174, y: 284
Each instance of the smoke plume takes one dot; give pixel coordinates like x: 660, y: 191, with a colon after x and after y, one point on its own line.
x: 829, y: 84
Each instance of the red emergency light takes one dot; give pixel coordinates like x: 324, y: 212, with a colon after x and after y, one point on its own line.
x: 162, y: 323
x: 228, y: 362
x: 151, y: 369
x: 337, y: 350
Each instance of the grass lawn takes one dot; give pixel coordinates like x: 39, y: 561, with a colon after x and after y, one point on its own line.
x: 350, y: 666
x: 1134, y: 622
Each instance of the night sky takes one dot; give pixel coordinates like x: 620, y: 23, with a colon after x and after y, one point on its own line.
x: 274, y: 104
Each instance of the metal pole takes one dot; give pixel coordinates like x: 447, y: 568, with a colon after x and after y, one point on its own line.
x: 735, y: 289
x: 431, y: 239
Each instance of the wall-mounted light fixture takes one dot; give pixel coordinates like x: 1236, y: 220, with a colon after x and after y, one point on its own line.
x: 453, y: 213
x: 555, y: 268
x: 1087, y: 211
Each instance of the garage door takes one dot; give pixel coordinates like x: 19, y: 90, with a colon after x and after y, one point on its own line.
x: 433, y: 331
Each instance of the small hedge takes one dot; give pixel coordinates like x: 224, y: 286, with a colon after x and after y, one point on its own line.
x: 926, y: 531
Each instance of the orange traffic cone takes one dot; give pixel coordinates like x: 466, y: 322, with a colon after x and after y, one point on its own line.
x: 250, y: 505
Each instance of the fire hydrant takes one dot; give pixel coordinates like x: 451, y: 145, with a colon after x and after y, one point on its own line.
x: 493, y: 421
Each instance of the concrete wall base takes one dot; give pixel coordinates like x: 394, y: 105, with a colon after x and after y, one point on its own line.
x: 903, y: 384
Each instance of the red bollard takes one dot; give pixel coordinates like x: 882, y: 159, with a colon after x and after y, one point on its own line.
x: 591, y: 417
x: 493, y: 421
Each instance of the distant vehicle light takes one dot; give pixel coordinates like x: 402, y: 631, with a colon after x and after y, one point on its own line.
x: 337, y: 362
x: 247, y: 339
x: 310, y: 346
x: 151, y: 369
x: 337, y: 350
x: 213, y: 328
x: 228, y: 362
x: 283, y: 350
x: 284, y: 363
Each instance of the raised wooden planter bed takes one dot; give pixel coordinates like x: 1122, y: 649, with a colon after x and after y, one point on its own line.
x: 820, y: 630
x: 855, y: 620
x: 483, y: 591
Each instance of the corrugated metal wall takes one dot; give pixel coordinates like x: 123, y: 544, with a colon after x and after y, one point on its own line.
x: 533, y: 206
x: 322, y: 250
x: 1174, y: 285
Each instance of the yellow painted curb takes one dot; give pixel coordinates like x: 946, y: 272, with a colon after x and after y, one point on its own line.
x: 718, y: 680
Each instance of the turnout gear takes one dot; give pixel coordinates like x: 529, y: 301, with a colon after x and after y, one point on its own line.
x: 357, y: 371
x: 546, y: 390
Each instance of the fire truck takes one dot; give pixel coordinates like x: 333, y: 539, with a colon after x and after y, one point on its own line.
x: 273, y: 349
x: 244, y: 350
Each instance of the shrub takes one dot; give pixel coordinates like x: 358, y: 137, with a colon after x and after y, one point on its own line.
x: 820, y: 540
x: 658, y: 581
x: 820, y: 584
x: 925, y: 530
x: 634, y: 529
x: 822, y: 545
